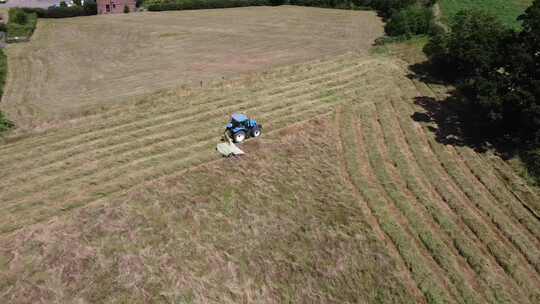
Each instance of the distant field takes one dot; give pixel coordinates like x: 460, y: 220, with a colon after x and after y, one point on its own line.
x: 506, y: 10
x: 346, y: 198
x: 73, y: 65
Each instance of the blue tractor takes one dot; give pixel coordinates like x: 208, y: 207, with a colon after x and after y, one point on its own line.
x: 241, y: 127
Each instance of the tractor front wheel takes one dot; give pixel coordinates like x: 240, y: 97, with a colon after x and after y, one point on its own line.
x: 256, y: 132
x: 239, y: 136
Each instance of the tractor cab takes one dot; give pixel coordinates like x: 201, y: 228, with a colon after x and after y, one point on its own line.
x: 241, y: 127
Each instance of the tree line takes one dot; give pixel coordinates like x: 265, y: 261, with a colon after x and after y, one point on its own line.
x: 497, y: 74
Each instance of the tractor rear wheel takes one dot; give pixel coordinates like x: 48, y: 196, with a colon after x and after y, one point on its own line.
x: 239, y: 136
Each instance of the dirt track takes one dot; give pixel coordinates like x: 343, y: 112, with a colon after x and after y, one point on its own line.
x: 73, y: 65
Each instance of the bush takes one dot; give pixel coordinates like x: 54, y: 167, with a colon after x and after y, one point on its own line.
x: 472, y: 47
x: 532, y: 161
x: 5, y: 124
x: 19, y: 26
x: 413, y: 20
x: 18, y: 16
x: 387, y: 7
x: 126, y: 9
x: 89, y: 8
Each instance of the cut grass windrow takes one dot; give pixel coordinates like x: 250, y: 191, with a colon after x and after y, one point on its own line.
x: 476, y: 191
x: 471, y: 187
x: 346, y: 120
x: 266, y: 112
x: 422, y: 228
x: 473, y: 217
x: 455, y: 200
x: 499, y: 191
x: 428, y: 188
x: 519, y: 188
x: 105, y: 143
x: 165, y: 163
x: 428, y: 282
x: 171, y: 130
x: 481, y: 175
x: 267, y: 81
x: 164, y: 105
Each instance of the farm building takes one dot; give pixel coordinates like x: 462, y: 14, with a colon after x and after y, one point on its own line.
x: 114, y: 6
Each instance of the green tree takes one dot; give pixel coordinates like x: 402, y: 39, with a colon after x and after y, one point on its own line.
x: 17, y: 15
x: 471, y: 48
x: 412, y: 20
x: 388, y: 7
x: 126, y: 9
x: 522, y: 84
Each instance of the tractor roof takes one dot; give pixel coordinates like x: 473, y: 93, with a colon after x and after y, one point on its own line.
x: 239, y: 117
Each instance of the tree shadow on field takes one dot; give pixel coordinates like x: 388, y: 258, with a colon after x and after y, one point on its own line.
x: 447, y: 116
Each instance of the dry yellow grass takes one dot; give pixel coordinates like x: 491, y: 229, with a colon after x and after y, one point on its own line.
x: 73, y: 65
x: 344, y: 199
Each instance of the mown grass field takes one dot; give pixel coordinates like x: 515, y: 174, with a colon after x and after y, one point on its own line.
x: 346, y: 198
x: 506, y: 11
x: 73, y: 66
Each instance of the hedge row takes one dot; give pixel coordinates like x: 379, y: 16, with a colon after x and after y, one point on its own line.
x: 21, y: 23
x: 89, y: 8
x: 204, y: 4
x: 158, y: 5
